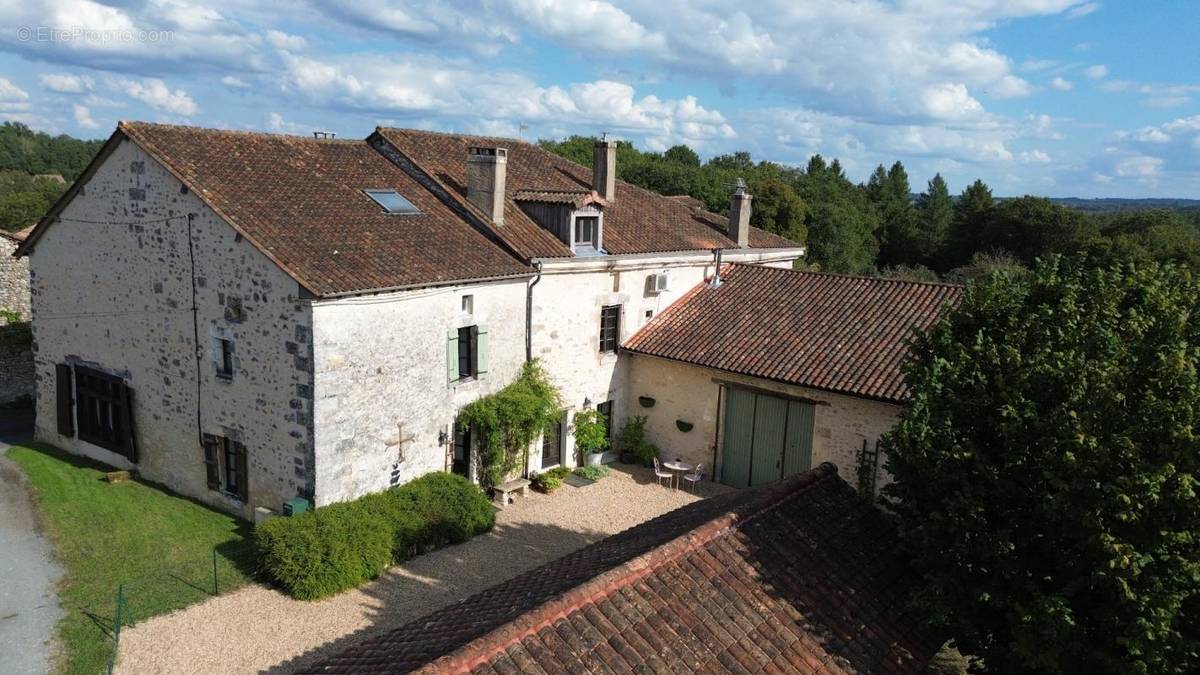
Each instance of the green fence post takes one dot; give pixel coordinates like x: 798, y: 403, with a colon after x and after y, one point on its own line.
x: 112, y: 659
x: 215, y: 592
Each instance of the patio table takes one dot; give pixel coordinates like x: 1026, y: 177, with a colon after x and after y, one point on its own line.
x: 679, y: 467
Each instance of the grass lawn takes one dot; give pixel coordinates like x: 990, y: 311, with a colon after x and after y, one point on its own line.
x: 156, y: 544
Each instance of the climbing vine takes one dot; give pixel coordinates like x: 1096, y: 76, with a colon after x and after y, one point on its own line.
x: 508, y: 421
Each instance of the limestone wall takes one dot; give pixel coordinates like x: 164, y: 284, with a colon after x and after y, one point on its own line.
x: 116, y: 293
x: 689, y: 393
x: 383, y: 394
x: 14, y: 279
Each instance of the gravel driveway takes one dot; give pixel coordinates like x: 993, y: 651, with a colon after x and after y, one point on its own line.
x: 29, y: 608
x: 257, y: 629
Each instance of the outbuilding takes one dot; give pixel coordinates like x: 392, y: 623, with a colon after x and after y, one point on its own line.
x: 762, y: 373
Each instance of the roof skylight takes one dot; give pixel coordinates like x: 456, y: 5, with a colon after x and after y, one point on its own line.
x: 392, y: 201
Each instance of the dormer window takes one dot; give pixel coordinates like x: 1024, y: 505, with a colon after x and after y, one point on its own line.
x: 586, y: 230
x: 392, y: 202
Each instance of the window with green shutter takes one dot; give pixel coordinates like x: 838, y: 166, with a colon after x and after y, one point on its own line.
x: 466, y: 353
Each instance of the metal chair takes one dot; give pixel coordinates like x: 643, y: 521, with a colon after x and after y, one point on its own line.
x: 661, y: 473
x: 695, y: 477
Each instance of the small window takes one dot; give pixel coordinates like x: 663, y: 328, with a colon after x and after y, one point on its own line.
x: 392, y: 201
x: 610, y: 328
x: 466, y: 351
x: 225, y: 358
x: 468, y: 304
x: 226, y: 465
x: 587, y: 228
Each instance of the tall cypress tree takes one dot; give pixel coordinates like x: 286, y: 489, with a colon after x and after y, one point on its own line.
x: 971, y: 214
x: 899, y: 240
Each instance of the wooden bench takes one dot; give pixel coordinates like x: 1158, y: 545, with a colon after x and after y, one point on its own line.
x: 501, y: 493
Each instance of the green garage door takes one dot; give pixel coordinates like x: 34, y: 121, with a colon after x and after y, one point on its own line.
x: 766, y: 438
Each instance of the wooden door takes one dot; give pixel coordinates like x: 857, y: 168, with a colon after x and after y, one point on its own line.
x: 766, y: 438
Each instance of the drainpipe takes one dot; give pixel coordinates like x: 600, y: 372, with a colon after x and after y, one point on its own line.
x: 529, y: 312
x: 195, y: 328
x: 716, y: 277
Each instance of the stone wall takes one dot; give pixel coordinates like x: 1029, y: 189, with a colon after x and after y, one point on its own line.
x: 689, y: 393
x: 14, y: 279
x: 116, y: 293
x: 385, y: 406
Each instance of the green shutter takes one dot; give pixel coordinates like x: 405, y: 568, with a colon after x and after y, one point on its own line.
x: 798, y: 456
x: 770, y: 423
x: 212, y: 467
x: 452, y: 355
x: 481, y: 350
x: 738, y: 437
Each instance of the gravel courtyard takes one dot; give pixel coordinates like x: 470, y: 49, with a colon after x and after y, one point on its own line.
x: 257, y: 629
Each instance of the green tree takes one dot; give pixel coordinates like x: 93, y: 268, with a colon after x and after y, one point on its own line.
x: 1032, y: 227
x: 682, y: 154
x: 21, y: 209
x: 1046, y: 470
x: 777, y: 208
x: 971, y: 214
x: 841, y: 220
x: 898, y: 239
x: 935, y: 211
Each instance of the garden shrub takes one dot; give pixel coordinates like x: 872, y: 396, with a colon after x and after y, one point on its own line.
x: 549, y: 481
x: 337, y: 547
x: 592, y: 472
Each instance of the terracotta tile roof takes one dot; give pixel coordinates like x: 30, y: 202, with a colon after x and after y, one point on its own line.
x: 638, y: 220
x: 839, y: 333
x: 575, y: 198
x: 300, y: 200
x: 801, y: 576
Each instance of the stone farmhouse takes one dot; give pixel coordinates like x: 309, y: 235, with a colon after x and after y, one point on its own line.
x: 248, y: 318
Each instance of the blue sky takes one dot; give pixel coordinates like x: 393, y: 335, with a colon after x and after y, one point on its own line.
x: 1055, y: 97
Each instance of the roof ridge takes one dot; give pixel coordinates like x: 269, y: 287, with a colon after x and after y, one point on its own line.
x: 134, y: 124
x: 455, y: 134
x: 480, y: 650
x: 863, y: 277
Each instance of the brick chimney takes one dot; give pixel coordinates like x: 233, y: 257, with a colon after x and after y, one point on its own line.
x: 604, y: 169
x: 486, y: 172
x: 739, y: 215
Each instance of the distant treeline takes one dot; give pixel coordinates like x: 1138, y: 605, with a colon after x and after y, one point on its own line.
x: 881, y: 227
x: 35, y: 168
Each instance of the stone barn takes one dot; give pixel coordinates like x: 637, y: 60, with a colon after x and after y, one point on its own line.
x: 763, y: 373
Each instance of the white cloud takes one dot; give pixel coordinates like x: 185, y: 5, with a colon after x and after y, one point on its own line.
x: 1139, y: 166
x: 950, y: 102
x: 599, y: 25
x: 11, y: 93
x: 1096, y: 72
x: 1155, y: 95
x: 454, y: 89
x: 234, y: 82
x: 83, y: 117
x: 276, y: 122
x: 281, y: 40
x: 1080, y: 11
x: 156, y: 94
x: 1060, y: 84
x: 65, y: 83
x: 1034, y: 157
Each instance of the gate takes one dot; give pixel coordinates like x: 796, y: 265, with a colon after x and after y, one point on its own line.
x: 767, y: 438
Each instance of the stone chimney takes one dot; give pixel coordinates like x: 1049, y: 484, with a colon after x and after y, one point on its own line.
x: 739, y: 215
x: 486, y: 172
x: 604, y: 169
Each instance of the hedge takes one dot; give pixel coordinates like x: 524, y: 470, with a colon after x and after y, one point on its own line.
x: 340, y: 546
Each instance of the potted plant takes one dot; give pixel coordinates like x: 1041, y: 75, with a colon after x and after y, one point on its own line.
x: 591, y: 435
x: 632, y: 436
x: 646, y: 453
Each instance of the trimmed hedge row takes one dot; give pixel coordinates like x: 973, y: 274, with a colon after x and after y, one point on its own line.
x: 340, y: 546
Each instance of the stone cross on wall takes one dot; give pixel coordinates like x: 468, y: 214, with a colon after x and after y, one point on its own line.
x: 401, y: 441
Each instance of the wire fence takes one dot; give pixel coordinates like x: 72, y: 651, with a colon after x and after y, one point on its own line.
x: 172, y: 585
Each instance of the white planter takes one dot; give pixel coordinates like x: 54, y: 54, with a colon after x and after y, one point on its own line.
x: 595, y: 458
